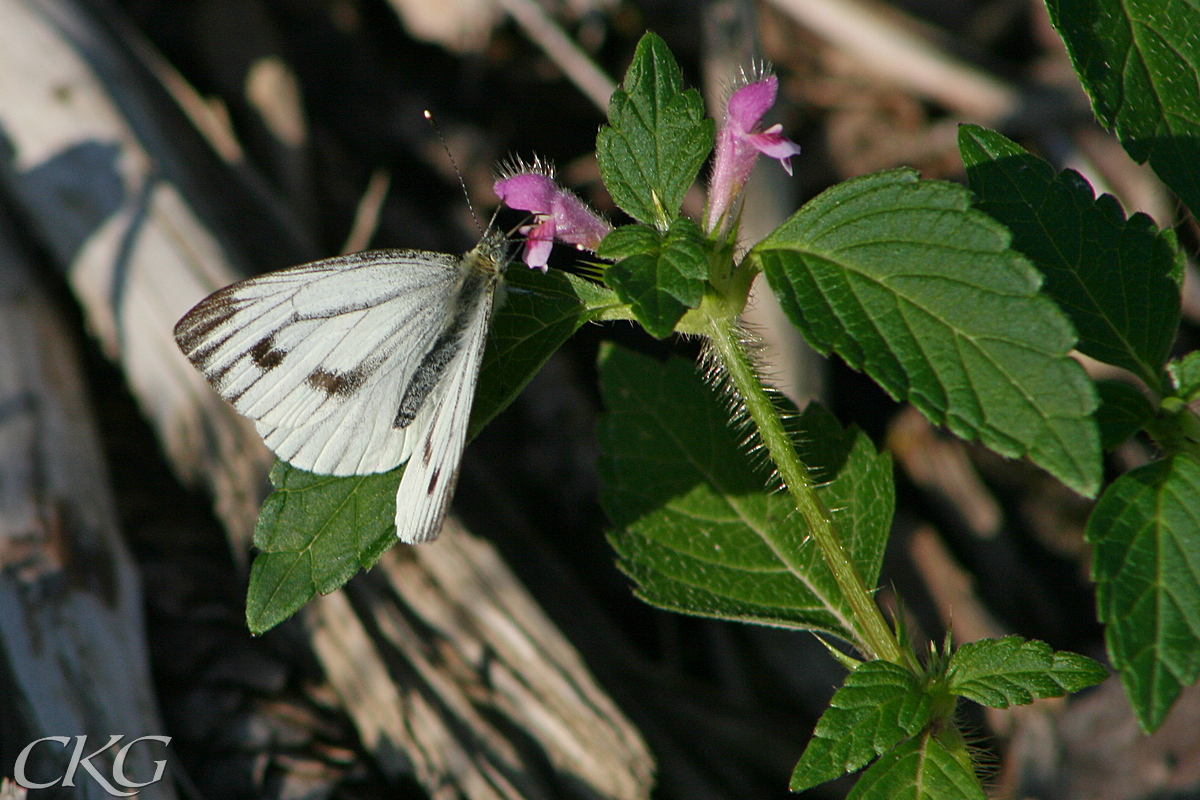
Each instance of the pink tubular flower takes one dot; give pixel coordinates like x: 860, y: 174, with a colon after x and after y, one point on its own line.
x: 558, y: 213
x: 738, y: 146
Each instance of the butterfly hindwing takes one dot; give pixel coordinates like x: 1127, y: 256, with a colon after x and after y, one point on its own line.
x: 431, y: 474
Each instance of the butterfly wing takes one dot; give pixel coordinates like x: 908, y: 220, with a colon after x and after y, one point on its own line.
x: 319, y: 355
x: 432, y: 471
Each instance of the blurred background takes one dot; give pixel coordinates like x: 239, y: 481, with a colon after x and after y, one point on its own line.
x: 154, y: 150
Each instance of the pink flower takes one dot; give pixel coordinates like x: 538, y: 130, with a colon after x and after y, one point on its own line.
x: 738, y: 146
x: 558, y: 214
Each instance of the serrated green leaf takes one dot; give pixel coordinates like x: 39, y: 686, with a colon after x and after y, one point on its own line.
x: 1112, y: 275
x: 1123, y: 412
x: 1139, y: 61
x: 879, y: 705
x: 316, y: 531
x: 1014, y: 671
x: 660, y: 277
x: 1185, y: 375
x: 280, y: 585
x: 903, y: 280
x: 601, y: 302
x: 538, y: 313
x: 922, y: 768
x: 1146, y: 566
x: 696, y: 527
x: 657, y: 137
x: 630, y: 240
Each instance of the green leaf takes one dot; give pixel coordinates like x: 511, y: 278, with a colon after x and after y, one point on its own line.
x: 1185, y: 375
x: 660, y: 277
x: 597, y: 299
x: 1139, y: 61
x: 657, y: 137
x: 697, y: 528
x: 538, y: 313
x: 629, y: 241
x: 879, y: 705
x: 1123, y: 412
x: 1111, y: 275
x: 922, y: 768
x: 903, y: 280
x: 316, y: 531
x: 1146, y: 566
x: 1013, y: 672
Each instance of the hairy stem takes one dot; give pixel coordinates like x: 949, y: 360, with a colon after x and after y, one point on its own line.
x: 875, y: 637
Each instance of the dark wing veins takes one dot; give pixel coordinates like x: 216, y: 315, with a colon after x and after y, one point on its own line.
x: 429, y: 372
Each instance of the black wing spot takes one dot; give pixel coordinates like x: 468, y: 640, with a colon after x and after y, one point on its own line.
x: 337, y: 383
x: 433, y: 481
x: 265, y: 355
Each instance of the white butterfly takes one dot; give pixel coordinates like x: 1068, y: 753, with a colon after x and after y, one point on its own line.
x: 355, y: 365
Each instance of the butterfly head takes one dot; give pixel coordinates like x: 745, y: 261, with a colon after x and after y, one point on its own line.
x: 493, y: 253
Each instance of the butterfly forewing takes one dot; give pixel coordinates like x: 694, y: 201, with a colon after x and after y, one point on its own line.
x: 318, y: 355
x: 354, y: 365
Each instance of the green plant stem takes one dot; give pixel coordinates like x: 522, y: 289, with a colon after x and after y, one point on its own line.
x: 876, y: 639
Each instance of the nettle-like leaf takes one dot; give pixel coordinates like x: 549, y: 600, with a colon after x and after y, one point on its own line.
x: 315, y: 532
x: 1185, y: 375
x: 1123, y: 411
x: 538, y: 312
x: 922, y: 768
x: 1014, y: 671
x: 696, y: 526
x: 1146, y: 565
x: 1140, y: 63
x: 659, y: 276
x: 879, y: 705
x: 1115, y: 277
x: 657, y: 137
x: 902, y: 279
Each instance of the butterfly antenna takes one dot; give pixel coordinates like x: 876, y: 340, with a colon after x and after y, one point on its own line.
x: 515, y: 229
x: 457, y: 172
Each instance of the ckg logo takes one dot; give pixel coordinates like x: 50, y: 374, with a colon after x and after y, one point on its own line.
x: 79, y: 760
